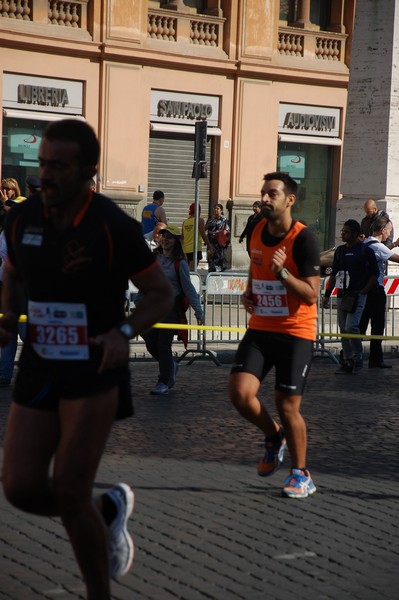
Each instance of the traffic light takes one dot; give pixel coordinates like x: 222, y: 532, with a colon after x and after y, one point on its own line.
x: 200, y: 167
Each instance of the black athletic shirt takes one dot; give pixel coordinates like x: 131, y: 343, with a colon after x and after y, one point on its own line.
x: 305, y: 250
x: 89, y: 262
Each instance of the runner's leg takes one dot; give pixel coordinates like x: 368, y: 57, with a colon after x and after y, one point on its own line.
x: 30, y: 442
x: 243, y: 390
x: 85, y: 425
x: 294, y: 427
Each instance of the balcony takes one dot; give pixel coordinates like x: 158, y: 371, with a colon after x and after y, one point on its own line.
x: 312, y: 44
x: 61, y: 14
x: 185, y: 28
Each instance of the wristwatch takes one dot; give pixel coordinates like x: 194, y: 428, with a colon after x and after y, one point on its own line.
x: 126, y: 330
x: 283, y: 274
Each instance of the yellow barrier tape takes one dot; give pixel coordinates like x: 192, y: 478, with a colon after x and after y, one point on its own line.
x: 243, y: 330
x: 24, y: 318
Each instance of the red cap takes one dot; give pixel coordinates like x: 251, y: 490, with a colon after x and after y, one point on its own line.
x: 191, y: 210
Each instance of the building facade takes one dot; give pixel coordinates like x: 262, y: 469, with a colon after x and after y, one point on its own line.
x: 269, y: 77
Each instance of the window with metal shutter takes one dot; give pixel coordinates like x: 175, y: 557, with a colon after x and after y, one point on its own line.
x: 171, y: 162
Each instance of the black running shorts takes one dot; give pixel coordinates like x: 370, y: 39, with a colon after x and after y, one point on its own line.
x: 259, y: 351
x: 41, y: 384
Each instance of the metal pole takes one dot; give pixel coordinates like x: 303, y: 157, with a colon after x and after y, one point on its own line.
x: 196, y: 219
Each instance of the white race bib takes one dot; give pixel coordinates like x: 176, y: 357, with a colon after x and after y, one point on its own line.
x: 339, y: 280
x: 270, y: 298
x: 58, y: 330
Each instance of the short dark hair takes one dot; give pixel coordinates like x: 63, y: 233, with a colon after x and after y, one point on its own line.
x: 290, y: 185
x: 353, y: 225
x: 80, y: 132
x: 379, y: 224
x: 158, y: 195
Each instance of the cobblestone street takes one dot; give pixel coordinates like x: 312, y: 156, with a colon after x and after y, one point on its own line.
x: 207, y: 527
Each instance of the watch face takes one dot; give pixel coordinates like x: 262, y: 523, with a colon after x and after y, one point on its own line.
x: 127, y: 330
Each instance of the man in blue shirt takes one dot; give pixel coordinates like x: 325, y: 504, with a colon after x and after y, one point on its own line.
x: 154, y: 213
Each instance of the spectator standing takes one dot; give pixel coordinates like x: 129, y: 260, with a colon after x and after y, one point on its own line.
x: 8, y: 352
x: 281, y: 296
x: 218, y: 230
x: 188, y: 236
x: 251, y: 222
x: 10, y: 191
x: 373, y: 213
x: 172, y: 261
x: 374, y: 310
x: 154, y: 212
x: 153, y: 238
x: 73, y: 376
x: 354, y: 272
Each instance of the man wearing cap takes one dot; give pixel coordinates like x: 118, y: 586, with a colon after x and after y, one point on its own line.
x: 188, y: 236
x: 33, y: 184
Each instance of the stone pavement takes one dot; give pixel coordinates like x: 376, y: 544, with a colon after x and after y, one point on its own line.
x: 206, y: 527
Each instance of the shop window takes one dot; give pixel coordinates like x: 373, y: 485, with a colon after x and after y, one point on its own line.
x: 311, y: 166
x: 20, y: 147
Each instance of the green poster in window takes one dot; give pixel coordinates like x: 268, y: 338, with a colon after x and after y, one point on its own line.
x: 293, y: 163
x: 25, y: 142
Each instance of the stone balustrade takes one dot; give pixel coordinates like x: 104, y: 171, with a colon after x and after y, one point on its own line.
x: 320, y: 45
x: 64, y: 14
x: 15, y: 9
x: 200, y: 30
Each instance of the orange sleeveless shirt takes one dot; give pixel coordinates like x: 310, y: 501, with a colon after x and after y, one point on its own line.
x: 276, y: 309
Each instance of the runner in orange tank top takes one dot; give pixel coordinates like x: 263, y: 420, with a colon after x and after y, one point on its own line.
x: 281, y: 296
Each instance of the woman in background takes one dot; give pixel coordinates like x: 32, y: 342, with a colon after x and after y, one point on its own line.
x: 187, y: 230
x: 173, y: 262
x: 218, y: 231
x: 251, y: 222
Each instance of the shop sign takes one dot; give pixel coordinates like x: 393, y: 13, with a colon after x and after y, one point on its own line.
x: 42, y: 94
x: 309, y: 120
x: 45, y: 96
x: 170, y: 107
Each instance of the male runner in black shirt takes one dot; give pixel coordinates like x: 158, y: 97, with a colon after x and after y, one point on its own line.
x: 74, y: 250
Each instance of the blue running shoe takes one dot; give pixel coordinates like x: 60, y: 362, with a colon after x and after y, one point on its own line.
x: 273, y: 457
x: 120, y: 543
x: 299, y: 484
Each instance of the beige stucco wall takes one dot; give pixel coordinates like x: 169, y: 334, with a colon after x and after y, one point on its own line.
x: 36, y: 64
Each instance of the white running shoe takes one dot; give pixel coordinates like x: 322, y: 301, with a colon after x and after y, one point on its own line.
x: 120, y: 543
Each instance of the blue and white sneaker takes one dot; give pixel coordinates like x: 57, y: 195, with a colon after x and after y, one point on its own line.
x: 161, y: 389
x: 299, y: 484
x: 120, y: 543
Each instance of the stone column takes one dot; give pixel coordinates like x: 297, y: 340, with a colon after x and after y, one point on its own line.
x: 303, y: 14
x: 370, y: 167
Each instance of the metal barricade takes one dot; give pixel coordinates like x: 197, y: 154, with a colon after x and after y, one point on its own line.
x: 223, y: 306
x: 328, y: 330
x: 222, y: 309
